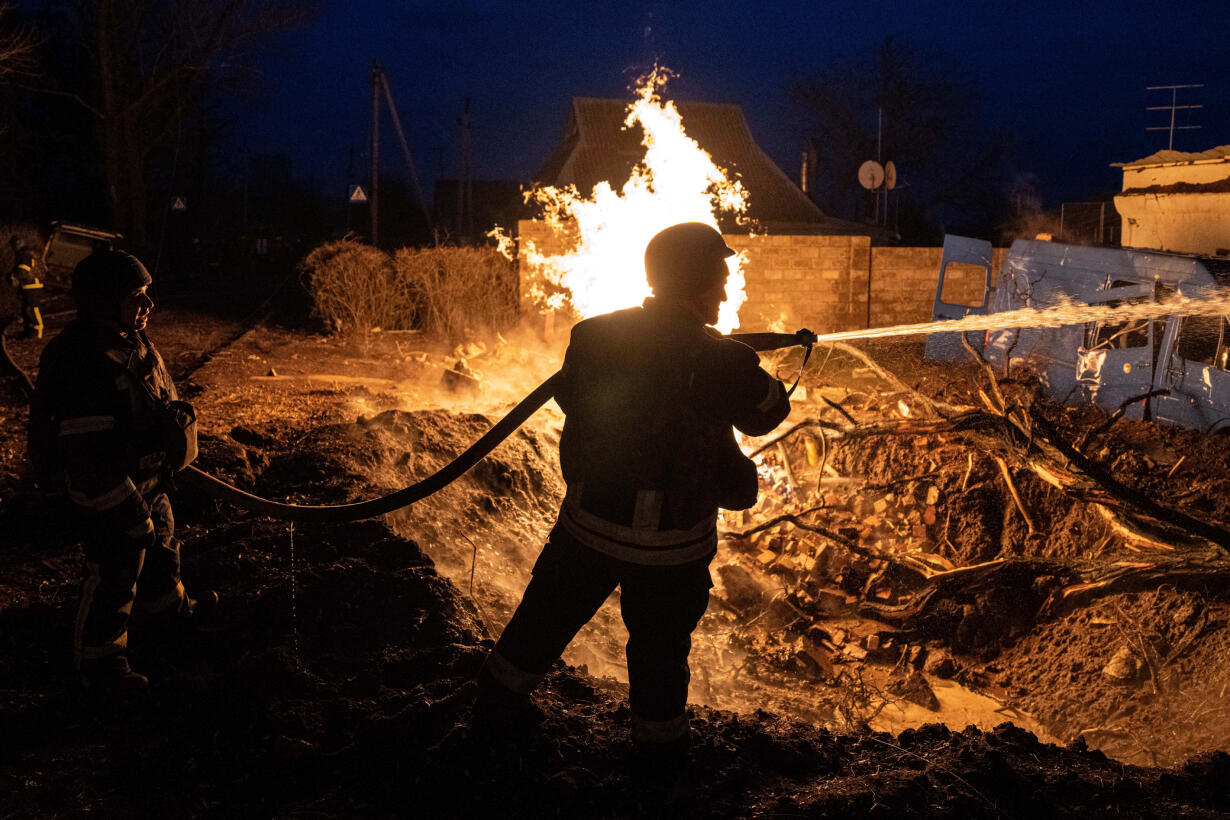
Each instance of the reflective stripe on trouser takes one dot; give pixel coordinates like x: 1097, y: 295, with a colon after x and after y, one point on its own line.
x: 110, y: 499
x: 660, y: 606
x: 118, y: 573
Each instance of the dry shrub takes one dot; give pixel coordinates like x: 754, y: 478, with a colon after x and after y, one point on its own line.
x: 355, y: 288
x: 460, y: 292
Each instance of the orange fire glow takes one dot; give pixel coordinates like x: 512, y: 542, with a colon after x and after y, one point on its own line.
x: 676, y: 181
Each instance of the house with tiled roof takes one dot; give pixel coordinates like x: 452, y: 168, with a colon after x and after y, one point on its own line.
x: 597, y: 147
x: 1177, y: 201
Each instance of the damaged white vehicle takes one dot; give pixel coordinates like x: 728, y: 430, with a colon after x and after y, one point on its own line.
x: 1173, y: 368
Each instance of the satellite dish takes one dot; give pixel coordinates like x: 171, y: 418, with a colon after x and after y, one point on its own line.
x: 871, y: 175
x: 890, y: 175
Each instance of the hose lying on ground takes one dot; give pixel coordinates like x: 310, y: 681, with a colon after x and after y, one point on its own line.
x: 386, y: 503
x: 24, y: 382
x: 435, y: 482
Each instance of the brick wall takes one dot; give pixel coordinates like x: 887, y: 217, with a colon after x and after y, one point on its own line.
x: 804, y: 281
x: 822, y: 282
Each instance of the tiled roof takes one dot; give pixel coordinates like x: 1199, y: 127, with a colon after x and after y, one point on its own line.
x: 596, y: 147
x: 1167, y: 157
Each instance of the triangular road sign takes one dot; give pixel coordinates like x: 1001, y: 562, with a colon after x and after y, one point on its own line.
x: 179, y: 203
x: 357, y: 194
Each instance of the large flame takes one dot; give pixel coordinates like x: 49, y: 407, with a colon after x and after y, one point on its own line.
x: 677, y: 181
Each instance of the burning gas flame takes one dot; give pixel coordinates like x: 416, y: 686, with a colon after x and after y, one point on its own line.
x: 676, y: 181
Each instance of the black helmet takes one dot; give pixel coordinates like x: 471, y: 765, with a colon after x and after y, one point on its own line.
x: 106, y: 277
x: 681, y: 259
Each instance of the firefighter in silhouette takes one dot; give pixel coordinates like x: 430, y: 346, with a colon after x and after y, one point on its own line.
x: 29, y: 288
x: 651, y: 396
x: 98, y: 431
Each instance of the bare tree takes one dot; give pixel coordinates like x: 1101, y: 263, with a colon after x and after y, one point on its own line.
x: 147, y: 66
x: 17, y: 46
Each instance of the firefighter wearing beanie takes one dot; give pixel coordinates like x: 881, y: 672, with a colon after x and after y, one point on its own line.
x: 95, y: 433
x: 651, y: 396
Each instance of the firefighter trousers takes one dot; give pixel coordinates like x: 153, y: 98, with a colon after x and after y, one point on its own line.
x: 120, y: 574
x: 31, y: 309
x: 660, y: 605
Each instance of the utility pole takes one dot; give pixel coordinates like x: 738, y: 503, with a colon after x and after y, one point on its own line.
x: 880, y: 159
x: 377, y: 73
x: 380, y: 82
x: 1174, y: 106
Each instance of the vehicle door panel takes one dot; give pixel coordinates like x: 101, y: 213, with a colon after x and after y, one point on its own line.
x: 962, y: 251
x: 1195, y: 374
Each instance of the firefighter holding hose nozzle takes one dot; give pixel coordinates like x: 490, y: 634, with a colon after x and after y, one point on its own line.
x: 106, y: 427
x: 652, y: 396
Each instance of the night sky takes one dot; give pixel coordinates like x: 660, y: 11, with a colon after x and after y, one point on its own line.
x: 1067, y: 78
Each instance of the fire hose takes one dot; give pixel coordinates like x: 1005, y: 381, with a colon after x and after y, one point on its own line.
x: 435, y: 482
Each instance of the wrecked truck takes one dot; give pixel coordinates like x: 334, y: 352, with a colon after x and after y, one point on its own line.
x: 1173, y: 369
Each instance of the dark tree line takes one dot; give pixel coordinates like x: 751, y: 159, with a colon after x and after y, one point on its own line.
x: 116, y: 105
x: 954, y: 169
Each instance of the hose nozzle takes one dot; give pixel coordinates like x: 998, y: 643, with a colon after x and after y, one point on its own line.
x: 761, y: 342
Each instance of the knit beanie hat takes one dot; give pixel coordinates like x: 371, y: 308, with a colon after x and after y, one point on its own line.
x: 106, y: 277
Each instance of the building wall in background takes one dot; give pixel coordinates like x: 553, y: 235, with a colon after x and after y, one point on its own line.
x: 1182, y: 206
x: 825, y: 283
x: 1177, y: 221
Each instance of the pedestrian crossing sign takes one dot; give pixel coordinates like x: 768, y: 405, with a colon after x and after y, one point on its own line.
x: 357, y: 194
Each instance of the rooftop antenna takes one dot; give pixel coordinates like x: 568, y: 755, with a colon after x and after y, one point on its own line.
x: 1174, y: 106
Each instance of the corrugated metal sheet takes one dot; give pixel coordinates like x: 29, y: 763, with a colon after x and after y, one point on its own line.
x: 1168, y: 157
x: 597, y: 147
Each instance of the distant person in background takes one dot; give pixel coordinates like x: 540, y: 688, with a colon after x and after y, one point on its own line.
x: 651, y: 396
x: 98, y: 431
x: 29, y: 288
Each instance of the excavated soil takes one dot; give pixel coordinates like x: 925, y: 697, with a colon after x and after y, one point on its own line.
x: 337, y: 678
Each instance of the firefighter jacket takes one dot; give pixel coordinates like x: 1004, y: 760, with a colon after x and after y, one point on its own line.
x: 95, y: 422
x: 22, y: 275
x: 652, y: 397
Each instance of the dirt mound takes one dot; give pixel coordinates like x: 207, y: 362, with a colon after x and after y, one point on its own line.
x: 1143, y: 676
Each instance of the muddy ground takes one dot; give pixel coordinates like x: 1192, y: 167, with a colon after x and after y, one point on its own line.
x: 337, y: 678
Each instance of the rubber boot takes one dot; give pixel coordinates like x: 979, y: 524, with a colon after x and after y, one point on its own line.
x: 111, y: 678
x: 660, y: 772
x: 203, y: 607
x: 501, y: 713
